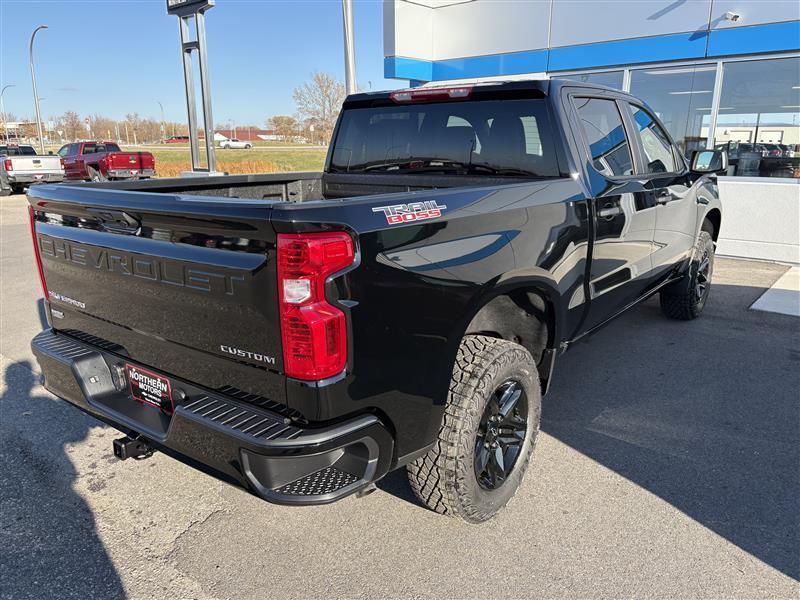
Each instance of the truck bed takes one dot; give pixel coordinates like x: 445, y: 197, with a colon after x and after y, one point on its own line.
x: 301, y: 186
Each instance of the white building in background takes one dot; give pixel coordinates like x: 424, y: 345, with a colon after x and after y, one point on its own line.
x: 719, y: 73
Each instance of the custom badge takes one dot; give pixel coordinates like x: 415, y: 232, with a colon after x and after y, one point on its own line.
x: 415, y: 211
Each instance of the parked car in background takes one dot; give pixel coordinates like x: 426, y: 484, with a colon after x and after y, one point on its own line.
x: 778, y: 151
x: 303, y: 334
x: 20, y: 167
x: 177, y: 139
x: 235, y: 144
x: 104, y: 161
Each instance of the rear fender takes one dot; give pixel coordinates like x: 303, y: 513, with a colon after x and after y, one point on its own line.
x: 481, y: 317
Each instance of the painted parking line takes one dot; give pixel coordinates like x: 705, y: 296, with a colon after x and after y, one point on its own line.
x: 784, y: 295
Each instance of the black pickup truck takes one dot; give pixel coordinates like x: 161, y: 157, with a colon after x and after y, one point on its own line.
x: 303, y: 334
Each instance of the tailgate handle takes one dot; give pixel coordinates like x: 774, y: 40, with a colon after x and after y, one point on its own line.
x: 117, y: 221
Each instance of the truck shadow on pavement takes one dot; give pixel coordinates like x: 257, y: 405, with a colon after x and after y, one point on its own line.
x: 50, y: 545
x: 702, y: 414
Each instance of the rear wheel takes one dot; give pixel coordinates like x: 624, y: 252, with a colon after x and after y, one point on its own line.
x: 95, y: 174
x: 685, y: 299
x: 488, y: 433
x: 17, y: 188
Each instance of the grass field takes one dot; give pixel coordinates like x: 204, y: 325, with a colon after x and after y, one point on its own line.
x: 171, y: 161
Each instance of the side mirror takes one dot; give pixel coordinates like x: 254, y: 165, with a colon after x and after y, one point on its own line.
x: 709, y: 161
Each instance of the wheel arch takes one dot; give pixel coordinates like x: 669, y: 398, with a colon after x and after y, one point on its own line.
x: 714, y: 216
x: 526, y: 311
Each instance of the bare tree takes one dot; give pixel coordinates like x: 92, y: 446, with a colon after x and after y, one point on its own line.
x: 284, y: 126
x: 72, y: 125
x: 319, y: 102
x: 102, y: 127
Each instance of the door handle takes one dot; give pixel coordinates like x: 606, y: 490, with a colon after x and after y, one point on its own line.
x: 663, y: 196
x: 609, y: 211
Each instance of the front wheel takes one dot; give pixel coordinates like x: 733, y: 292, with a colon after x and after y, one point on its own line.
x: 685, y: 299
x: 488, y: 433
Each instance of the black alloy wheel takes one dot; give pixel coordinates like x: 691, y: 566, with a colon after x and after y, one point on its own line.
x: 501, y: 433
x: 703, y: 275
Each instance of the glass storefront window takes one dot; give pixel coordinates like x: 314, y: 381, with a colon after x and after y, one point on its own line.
x: 612, y: 79
x: 759, y: 117
x: 681, y: 97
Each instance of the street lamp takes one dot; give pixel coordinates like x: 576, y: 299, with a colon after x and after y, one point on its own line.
x: 35, y: 93
x: 351, y: 84
x: 163, y: 123
x: 3, y: 110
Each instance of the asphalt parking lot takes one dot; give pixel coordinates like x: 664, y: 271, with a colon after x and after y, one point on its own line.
x: 668, y: 467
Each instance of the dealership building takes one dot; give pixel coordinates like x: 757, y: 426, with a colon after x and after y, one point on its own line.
x: 719, y: 74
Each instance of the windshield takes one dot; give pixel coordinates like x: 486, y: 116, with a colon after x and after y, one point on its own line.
x: 492, y: 137
x: 17, y: 150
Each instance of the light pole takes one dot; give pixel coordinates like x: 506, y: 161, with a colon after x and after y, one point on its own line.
x: 35, y: 93
x: 350, y: 82
x: 3, y: 110
x: 163, y: 124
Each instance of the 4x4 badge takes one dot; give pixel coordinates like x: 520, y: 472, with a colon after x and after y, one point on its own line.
x: 414, y: 211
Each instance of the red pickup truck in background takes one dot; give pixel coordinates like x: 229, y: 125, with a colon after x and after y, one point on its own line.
x: 103, y: 161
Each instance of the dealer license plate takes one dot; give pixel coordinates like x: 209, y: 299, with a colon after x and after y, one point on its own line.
x: 149, y: 388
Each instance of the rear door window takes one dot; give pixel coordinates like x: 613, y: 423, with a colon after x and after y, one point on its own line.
x: 89, y: 149
x: 604, y: 133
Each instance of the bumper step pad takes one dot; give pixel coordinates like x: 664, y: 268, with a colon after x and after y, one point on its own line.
x: 326, y: 481
x: 253, y: 423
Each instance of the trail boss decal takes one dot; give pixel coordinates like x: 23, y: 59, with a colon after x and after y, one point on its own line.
x: 415, y: 211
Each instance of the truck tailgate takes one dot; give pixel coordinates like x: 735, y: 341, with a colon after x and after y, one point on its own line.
x: 36, y: 164
x: 130, y: 160
x: 182, y: 284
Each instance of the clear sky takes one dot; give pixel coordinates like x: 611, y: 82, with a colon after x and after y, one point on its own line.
x: 112, y: 57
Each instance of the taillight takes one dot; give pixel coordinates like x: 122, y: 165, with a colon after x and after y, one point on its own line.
x: 62, y: 163
x: 36, y: 252
x: 8, y: 165
x: 314, y: 332
x: 436, y: 93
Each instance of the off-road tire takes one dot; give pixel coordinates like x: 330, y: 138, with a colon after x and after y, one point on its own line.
x: 681, y: 300
x: 445, y: 479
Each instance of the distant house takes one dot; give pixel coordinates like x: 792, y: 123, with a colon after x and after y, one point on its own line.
x: 246, y: 134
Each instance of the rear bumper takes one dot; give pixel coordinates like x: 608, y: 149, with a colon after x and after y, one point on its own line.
x: 130, y: 173
x: 263, y: 451
x: 34, y: 177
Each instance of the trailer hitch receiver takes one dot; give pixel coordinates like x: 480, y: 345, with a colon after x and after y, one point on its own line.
x: 126, y: 447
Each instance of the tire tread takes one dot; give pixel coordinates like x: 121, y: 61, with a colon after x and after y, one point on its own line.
x: 435, y: 477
